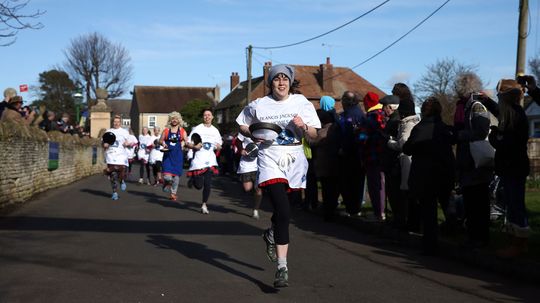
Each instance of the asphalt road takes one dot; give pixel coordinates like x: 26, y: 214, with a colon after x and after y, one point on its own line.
x: 75, y: 244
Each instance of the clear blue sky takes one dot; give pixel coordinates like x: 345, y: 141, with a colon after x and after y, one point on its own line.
x: 199, y: 43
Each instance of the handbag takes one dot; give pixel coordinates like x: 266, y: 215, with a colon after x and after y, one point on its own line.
x: 482, y: 152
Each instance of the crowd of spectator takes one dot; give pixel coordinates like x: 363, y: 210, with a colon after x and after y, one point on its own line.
x: 12, y: 109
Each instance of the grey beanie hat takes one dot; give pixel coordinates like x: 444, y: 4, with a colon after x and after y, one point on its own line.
x: 285, y: 69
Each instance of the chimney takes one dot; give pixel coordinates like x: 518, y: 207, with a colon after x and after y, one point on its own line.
x: 235, y: 80
x: 327, y: 74
x: 266, y: 72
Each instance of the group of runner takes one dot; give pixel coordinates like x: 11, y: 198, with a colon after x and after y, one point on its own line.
x: 276, y: 167
x: 165, y: 152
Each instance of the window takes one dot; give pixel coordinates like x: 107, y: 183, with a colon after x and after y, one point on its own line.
x: 126, y: 122
x: 219, y: 117
x: 535, y: 129
x: 152, y: 121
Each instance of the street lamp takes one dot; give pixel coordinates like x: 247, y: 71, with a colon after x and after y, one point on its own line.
x: 78, y: 96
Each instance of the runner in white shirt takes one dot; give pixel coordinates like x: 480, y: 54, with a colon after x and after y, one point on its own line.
x: 156, y: 156
x: 282, y: 165
x: 145, y: 141
x: 131, y: 151
x: 247, y: 172
x: 116, y: 157
x: 204, y: 163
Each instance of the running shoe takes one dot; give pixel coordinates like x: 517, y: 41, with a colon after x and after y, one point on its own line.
x: 282, y: 277
x: 204, y: 210
x: 268, y: 237
x: 141, y: 181
x: 166, y: 187
x: 172, y: 197
x: 114, y: 196
x: 255, y: 214
x: 123, y: 186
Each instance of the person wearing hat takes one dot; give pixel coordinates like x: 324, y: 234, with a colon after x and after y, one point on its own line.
x: 408, y: 119
x: 116, y: 157
x: 282, y: 164
x: 390, y: 160
x: 373, y: 140
x: 12, y: 112
x: 510, y: 140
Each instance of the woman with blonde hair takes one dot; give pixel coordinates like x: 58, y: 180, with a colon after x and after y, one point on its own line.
x: 172, y: 140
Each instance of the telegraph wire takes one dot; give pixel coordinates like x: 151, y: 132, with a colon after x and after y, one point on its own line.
x: 391, y: 44
x: 323, y: 34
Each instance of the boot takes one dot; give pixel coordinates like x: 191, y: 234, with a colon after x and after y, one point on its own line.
x: 517, y: 247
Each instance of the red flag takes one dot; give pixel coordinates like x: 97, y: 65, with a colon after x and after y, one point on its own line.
x: 23, y: 88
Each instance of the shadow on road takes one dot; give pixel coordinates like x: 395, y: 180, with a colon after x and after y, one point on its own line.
x: 210, y: 256
x: 96, y: 192
x: 22, y: 223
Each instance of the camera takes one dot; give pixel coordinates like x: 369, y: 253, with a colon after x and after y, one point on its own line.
x: 476, y: 96
x: 522, y: 80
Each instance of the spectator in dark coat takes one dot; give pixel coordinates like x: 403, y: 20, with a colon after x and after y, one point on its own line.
x: 390, y: 161
x: 373, y: 142
x: 409, y: 119
x: 325, y: 148
x: 48, y: 123
x: 352, y: 172
x: 510, y: 140
x: 431, y: 176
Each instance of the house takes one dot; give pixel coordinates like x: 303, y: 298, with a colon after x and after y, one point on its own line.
x: 315, y: 82
x: 151, y: 105
x: 532, y: 110
x: 121, y: 107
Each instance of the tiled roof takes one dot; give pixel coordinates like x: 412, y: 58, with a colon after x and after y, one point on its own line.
x: 119, y: 106
x: 238, y: 95
x: 165, y: 99
x: 343, y: 79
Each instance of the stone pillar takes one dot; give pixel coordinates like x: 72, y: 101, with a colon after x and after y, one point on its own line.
x: 100, y: 114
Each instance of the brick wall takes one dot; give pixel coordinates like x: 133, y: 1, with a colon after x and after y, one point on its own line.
x: 24, y: 155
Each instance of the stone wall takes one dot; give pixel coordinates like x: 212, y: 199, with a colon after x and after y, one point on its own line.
x: 24, y: 157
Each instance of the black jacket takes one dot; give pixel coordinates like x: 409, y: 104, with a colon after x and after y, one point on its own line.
x: 432, y: 167
x: 510, y: 144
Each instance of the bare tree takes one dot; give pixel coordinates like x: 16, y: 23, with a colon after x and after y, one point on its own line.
x: 440, y: 77
x: 12, y: 18
x: 96, y: 62
x: 534, y: 66
x: 440, y: 81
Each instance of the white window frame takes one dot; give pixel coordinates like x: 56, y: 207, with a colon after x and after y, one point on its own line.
x: 152, y: 121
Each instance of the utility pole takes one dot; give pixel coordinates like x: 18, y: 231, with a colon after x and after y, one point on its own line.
x: 522, y: 36
x: 249, y: 54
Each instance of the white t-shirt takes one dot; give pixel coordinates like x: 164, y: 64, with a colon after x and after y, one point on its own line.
x: 205, y: 157
x: 144, y: 140
x: 116, y: 153
x: 130, y: 150
x: 266, y: 109
x: 155, y: 153
x: 281, y: 161
x: 247, y: 164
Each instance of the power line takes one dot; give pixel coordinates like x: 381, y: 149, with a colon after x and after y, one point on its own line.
x: 324, y: 34
x: 403, y: 36
x: 391, y: 44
